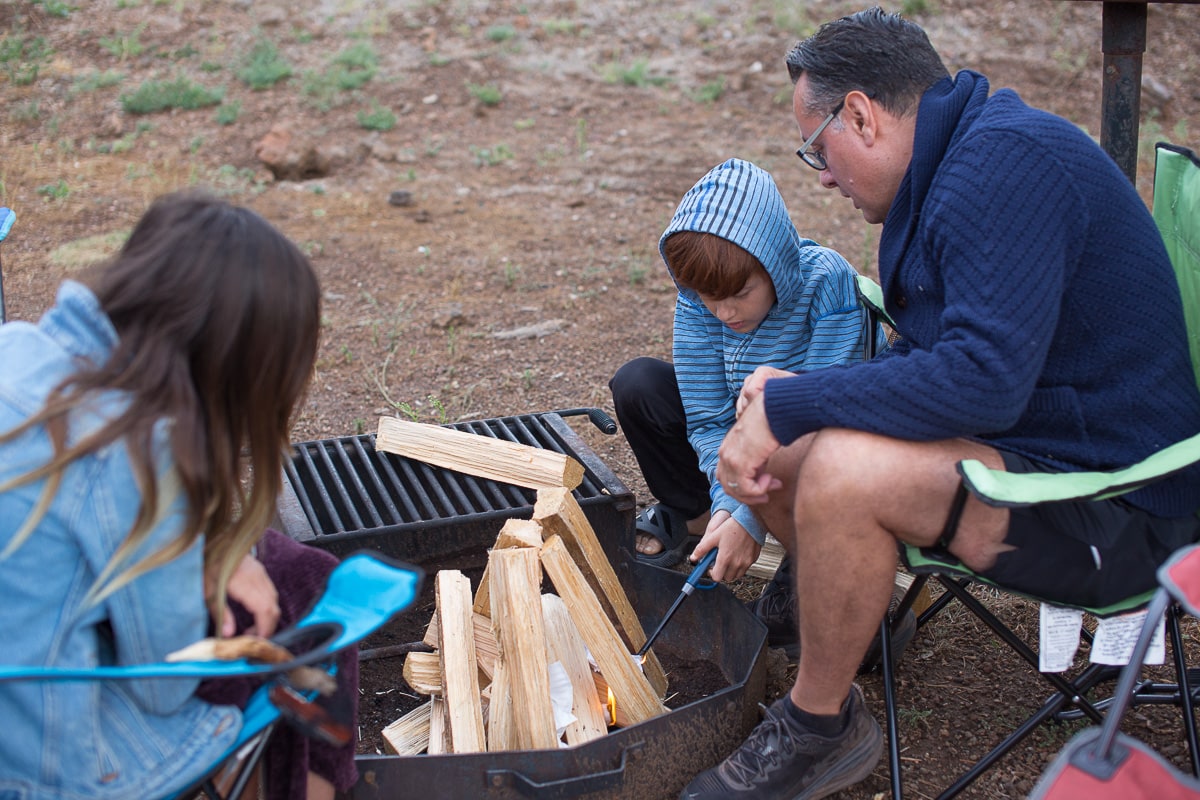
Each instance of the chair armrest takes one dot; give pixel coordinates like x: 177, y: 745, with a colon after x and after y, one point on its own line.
x: 871, y: 295
x: 1007, y: 489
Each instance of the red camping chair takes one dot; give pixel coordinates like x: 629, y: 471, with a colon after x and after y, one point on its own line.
x: 1103, y: 763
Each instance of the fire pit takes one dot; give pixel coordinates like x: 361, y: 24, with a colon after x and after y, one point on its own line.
x: 342, y: 495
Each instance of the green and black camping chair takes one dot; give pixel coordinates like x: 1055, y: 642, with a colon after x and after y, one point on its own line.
x: 1177, y: 212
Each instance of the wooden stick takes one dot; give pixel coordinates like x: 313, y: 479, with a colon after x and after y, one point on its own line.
x: 514, y: 533
x: 439, y: 729
x: 601, y: 685
x: 521, y: 632
x: 768, y: 559
x: 500, y: 728
x: 423, y: 673
x: 409, y: 735
x: 565, y: 645
x: 481, y: 456
x: 460, y: 671
x: 560, y: 514
x: 486, y: 650
x: 628, y: 683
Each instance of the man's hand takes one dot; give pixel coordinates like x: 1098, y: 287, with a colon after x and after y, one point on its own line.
x: 744, y: 453
x: 738, y: 550
x: 250, y: 585
x: 752, y: 387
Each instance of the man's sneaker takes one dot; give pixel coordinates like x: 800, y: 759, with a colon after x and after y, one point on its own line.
x: 781, y: 759
x: 776, y: 608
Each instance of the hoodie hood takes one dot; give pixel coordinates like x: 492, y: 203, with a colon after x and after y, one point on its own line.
x: 740, y: 203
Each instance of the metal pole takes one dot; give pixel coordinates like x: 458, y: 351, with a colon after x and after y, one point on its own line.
x: 1123, y: 42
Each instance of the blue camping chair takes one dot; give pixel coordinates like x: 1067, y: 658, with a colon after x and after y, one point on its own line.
x: 7, y: 218
x: 363, y: 592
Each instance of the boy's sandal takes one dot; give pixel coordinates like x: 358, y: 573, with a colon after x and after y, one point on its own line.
x: 669, y: 527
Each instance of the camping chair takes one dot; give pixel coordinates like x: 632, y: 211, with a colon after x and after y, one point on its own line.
x: 1105, y: 764
x: 1177, y: 212
x: 7, y: 218
x: 363, y: 592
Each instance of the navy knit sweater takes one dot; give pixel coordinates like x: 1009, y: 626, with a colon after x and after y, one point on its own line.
x: 1036, y: 303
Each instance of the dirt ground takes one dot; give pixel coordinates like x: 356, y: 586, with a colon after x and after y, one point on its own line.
x: 538, y: 149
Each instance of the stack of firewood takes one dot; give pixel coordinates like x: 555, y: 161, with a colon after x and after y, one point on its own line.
x: 489, y: 676
x: 498, y: 652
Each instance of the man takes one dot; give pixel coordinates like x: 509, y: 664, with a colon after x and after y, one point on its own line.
x: 1040, y: 328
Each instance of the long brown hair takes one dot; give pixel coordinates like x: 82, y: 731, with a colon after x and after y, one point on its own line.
x: 217, y: 316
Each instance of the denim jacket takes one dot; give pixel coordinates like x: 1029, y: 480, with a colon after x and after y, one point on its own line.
x: 90, y: 739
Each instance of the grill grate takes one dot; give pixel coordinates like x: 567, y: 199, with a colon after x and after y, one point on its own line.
x: 337, y: 490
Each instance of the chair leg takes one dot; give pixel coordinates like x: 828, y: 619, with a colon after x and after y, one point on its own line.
x: 889, y: 702
x: 889, y: 674
x: 1187, y: 706
x: 1067, y: 688
x: 1051, y: 707
x: 247, y: 760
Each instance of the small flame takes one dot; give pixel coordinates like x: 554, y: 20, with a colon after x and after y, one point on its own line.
x: 612, y: 708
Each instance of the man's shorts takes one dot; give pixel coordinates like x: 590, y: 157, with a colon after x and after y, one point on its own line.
x: 1091, y: 554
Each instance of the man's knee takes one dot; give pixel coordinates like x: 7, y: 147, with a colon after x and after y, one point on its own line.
x: 836, y: 464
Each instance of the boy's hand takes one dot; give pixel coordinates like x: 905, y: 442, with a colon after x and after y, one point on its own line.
x: 737, y: 549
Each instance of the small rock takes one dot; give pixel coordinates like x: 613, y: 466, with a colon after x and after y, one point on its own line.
x: 288, y: 158
x: 400, y: 197
x: 535, y: 331
x: 448, y: 315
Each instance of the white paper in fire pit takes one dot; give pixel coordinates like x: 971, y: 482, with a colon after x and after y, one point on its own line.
x: 562, y: 699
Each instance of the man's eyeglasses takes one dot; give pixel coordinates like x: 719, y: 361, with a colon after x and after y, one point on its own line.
x: 817, y: 160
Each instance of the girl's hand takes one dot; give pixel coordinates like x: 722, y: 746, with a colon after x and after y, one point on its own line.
x: 252, y: 587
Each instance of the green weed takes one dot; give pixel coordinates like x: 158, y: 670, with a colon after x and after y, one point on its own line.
x: 491, y: 156
x: 23, y: 57
x: 263, y: 66
x: 379, y: 118
x: 29, y: 111
x: 511, y: 273
x: 560, y: 26
x: 500, y: 33
x: 710, y: 92
x: 55, y: 191
x: 636, y: 74
x: 180, y: 93
x: 355, y: 65
x: 228, y: 113
x: 125, y: 46
x: 349, y: 69
x: 56, y: 8
x: 581, y: 138
x: 637, y: 274
x: 95, y: 80
x: 488, y: 94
